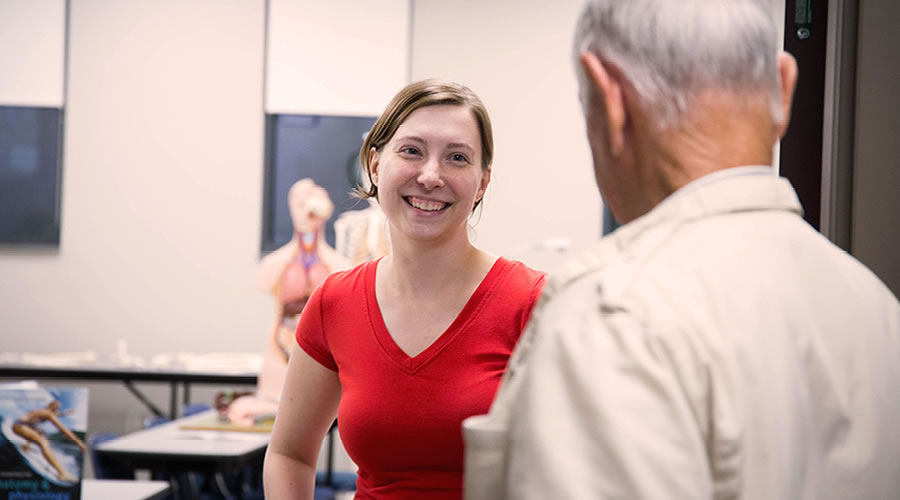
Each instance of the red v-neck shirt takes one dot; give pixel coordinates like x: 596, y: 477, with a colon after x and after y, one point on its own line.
x: 400, y: 417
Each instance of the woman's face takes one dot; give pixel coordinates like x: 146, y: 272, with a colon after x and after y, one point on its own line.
x: 429, y: 175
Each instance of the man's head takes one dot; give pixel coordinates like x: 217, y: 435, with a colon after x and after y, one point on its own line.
x: 666, y: 80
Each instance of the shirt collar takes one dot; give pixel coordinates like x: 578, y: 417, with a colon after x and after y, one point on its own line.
x: 737, y: 189
x: 716, y: 176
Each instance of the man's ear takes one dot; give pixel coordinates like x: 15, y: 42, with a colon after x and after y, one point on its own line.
x: 373, y: 165
x: 609, y: 89
x: 787, y: 79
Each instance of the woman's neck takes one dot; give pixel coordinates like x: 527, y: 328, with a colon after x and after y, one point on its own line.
x: 417, y: 269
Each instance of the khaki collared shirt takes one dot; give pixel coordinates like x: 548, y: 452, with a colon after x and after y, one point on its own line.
x: 717, y: 347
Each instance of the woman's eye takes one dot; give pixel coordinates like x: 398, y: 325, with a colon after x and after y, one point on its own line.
x: 409, y: 150
x: 459, y: 158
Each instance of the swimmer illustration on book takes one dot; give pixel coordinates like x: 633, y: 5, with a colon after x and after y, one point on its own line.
x: 27, y: 426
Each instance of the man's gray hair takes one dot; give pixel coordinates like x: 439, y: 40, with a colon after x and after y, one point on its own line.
x: 672, y: 49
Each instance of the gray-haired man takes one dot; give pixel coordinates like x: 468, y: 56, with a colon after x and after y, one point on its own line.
x: 715, y: 346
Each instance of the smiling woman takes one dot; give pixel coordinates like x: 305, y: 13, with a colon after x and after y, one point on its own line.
x: 404, y: 348
x: 430, y: 173
x: 421, y: 95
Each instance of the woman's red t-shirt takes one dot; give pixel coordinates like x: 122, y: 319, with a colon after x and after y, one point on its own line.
x: 399, y: 416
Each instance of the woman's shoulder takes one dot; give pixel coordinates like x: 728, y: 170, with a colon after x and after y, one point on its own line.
x: 514, y: 292
x: 519, y: 273
x: 515, y: 285
x: 349, y: 280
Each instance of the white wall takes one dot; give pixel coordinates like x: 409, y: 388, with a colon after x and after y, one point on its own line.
x: 161, y: 194
x: 163, y: 151
x: 32, y: 37
x: 161, y: 189
x: 516, y: 55
x: 341, y: 57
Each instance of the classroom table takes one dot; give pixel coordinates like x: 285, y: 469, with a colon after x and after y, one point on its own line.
x: 106, y: 489
x: 175, y: 377
x: 169, y: 449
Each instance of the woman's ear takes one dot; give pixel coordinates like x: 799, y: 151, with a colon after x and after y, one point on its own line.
x: 373, y: 165
x: 485, y: 181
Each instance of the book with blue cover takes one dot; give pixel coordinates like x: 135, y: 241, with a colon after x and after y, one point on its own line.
x: 42, y: 441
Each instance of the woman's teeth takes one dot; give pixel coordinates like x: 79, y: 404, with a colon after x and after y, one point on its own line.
x: 427, y: 205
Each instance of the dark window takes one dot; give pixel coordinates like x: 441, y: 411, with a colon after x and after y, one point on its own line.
x: 801, y: 147
x: 610, y: 223
x: 30, y: 166
x: 322, y: 148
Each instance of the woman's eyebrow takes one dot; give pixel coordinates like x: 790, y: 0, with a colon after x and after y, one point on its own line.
x: 460, y: 145
x: 413, y: 138
x: 451, y: 145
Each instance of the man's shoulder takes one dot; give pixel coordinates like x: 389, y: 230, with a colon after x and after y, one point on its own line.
x: 602, y: 266
x: 582, y: 282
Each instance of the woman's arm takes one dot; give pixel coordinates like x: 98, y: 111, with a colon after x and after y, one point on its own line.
x: 308, y: 406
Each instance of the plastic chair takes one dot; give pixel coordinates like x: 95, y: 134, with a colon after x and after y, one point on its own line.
x: 105, y: 470
x: 219, y: 485
x: 340, y: 481
x: 154, y: 421
x: 337, y: 481
x: 324, y: 493
x: 181, y: 481
x: 188, y: 410
x: 194, y: 408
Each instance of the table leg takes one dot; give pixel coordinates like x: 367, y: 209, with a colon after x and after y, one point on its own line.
x: 143, y: 399
x: 239, y: 494
x: 330, y: 464
x: 173, y: 400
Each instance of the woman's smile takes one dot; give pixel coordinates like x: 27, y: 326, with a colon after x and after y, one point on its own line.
x: 426, y: 205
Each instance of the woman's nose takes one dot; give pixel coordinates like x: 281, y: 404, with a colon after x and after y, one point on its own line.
x: 430, y: 176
